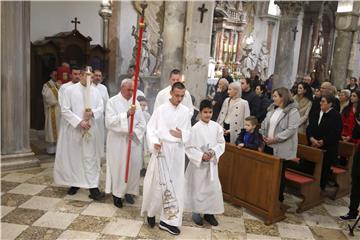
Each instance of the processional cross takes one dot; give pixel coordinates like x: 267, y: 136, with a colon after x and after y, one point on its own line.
x: 202, y: 9
x: 75, y: 21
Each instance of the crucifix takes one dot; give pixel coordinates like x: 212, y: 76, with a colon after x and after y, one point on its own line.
x: 202, y: 9
x: 75, y: 21
x: 294, y: 30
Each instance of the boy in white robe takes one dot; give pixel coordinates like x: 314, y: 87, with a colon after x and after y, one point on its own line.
x: 145, y: 150
x: 203, y: 189
x: 167, y: 132
x: 77, y: 161
x: 164, y: 95
x: 117, y: 120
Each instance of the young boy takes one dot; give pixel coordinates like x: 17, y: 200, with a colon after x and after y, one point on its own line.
x: 202, y: 185
x: 145, y: 151
x: 249, y: 137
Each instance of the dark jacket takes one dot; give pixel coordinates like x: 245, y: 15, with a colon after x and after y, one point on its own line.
x: 329, y: 130
x: 254, y: 142
x: 254, y: 103
x: 265, y: 102
x: 219, y: 99
x: 315, y: 108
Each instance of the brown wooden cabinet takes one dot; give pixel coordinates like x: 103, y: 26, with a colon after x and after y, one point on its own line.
x: 46, y: 55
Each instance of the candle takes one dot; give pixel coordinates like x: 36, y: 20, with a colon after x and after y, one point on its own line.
x: 182, y: 79
x: 88, y: 89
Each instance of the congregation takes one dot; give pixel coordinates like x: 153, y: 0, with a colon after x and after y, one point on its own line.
x: 83, y: 125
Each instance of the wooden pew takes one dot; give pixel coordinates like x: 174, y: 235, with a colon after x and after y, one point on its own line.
x: 342, y: 174
x: 308, y: 185
x: 251, y: 179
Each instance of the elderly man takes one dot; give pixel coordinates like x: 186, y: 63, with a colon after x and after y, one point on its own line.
x: 344, y: 98
x: 118, y: 112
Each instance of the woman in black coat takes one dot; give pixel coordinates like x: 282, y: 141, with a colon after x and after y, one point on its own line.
x: 324, y: 132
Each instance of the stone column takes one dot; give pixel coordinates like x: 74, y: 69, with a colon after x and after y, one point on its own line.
x: 305, y: 53
x: 15, y: 86
x: 173, y: 34
x: 270, y: 30
x: 238, y: 48
x: 346, y: 24
x: 197, y: 48
x: 286, y: 43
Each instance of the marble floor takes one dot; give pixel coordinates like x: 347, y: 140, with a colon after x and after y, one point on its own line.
x: 32, y: 207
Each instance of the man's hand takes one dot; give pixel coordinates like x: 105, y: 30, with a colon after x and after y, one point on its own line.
x: 240, y: 145
x: 269, y: 141
x: 157, y: 147
x: 176, y: 133
x: 88, y: 115
x: 85, y: 125
x: 345, y: 138
x: 206, y: 157
x: 314, y: 142
x: 131, y: 110
x: 226, y: 132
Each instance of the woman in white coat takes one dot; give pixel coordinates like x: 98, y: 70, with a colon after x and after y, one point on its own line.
x: 233, y: 113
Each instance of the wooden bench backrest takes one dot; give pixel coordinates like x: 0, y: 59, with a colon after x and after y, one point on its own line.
x: 302, y: 139
x: 313, y: 155
x: 347, y: 150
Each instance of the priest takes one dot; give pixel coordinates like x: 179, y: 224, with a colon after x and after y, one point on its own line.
x: 76, y: 73
x: 77, y: 161
x: 167, y: 132
x: 52, y: 112
x: 164, y: 95
x: 117, y: 119
x: 97, y: 79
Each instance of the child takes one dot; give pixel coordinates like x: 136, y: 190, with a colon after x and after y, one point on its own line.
x: 203, y: 194
x: 249, y: 137
x: 143, y: 103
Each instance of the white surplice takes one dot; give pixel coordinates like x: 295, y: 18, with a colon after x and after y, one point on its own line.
x: 164, y: 95
x: 101, y: 121
x: 77, y: 161
x: 203, y: 195
x: 165, y: 118
x: 118, y: 123
x: 52, y: 113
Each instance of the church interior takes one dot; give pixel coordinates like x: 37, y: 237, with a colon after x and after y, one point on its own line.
x: 282, y: 40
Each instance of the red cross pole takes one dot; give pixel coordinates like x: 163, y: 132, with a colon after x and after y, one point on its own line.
x: 137, y: 69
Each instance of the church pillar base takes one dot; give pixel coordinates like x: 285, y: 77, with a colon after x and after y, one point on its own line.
x: 19, y: 161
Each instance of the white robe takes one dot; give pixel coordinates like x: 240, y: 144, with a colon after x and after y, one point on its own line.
x: 77, y: 161
x: 201, y: 194
x: 52, y: 111
x: 101, y: 121
x: 164, y: 95
x: 165, y: 118
x: 118, y: 123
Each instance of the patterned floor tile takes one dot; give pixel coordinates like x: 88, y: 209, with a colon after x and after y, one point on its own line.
x: 153, y: 233
x: 262, y: 237
x: 71, y: 206
x: 27, y: 189
x: 39, y: 233
x: 327, y: 234
x: 7, y: 186
x: 115, y: 237
x: 41, y: 179
x: 13, y: 200
x: 220, y: 235
x: 257, y: 227
x: 10, y: 231
x: 17, y: 177
x: 320, y: 221
x: 337, y: 202
x: 5, y: 210
x: 70, y: 234
x: 294, y: 218
x: 42, y: 203
x: 336, y: 211
x: 89, y: 223
x: 188, y: 222
x: 33, y: 171
x: 81, y: 195
x: 230, y: 224
x: 23, y: 216
x: 55, y: 192
x: 100, y: 210
x: 250, y: 215
x: 294, y: 231
x: 194, y: 233
x: 47, y: 164
x: 123, y: 227
x: 129, y: 213
x: 232, y: 211
x: 57, y: 220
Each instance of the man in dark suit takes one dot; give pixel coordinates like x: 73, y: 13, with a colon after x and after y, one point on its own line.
x: 324, y: 132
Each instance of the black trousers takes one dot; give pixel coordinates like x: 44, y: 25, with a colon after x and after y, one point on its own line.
x: 227, y: 127
x: 355, y: 185
x: 269, y: 150
x: 328, y: 160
